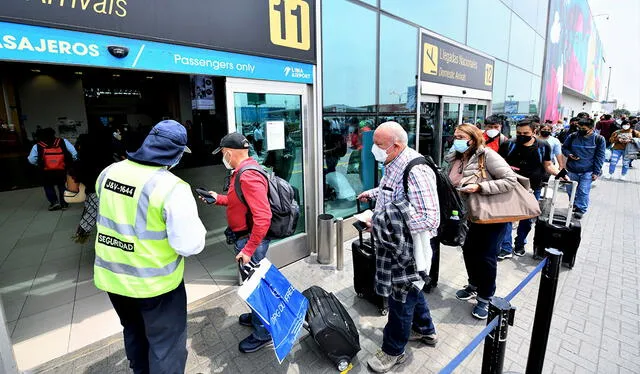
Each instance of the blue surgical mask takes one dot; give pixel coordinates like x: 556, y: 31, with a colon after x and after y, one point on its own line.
x: 461, y: 145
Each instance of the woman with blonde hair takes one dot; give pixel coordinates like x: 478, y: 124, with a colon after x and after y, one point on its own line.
x: 470, y: 160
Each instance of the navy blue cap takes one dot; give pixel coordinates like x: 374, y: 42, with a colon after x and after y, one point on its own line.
x: 164, y: 145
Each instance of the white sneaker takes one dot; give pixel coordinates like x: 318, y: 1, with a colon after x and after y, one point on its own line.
x: 623, y: 178
x: 607, y: 176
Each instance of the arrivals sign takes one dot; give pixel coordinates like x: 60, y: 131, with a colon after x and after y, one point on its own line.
x: 20, y: 42
x: 275, y: 28
x: 443, y: 62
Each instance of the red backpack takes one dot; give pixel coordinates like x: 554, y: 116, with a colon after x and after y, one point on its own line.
x: 53, y: 156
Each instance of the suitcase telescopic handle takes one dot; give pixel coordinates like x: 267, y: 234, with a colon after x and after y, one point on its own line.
x: 574, y: 188
x: 359, y: 210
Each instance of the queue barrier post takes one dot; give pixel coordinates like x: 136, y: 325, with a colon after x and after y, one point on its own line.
x: 544, y: 311
x: 495, y: 343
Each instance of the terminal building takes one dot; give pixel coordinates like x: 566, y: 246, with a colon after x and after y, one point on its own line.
x: 307, y: 81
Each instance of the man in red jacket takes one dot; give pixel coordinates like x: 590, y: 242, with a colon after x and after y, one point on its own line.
x: 248, y: 223
x: 606, y: 127
x: 493, y: 136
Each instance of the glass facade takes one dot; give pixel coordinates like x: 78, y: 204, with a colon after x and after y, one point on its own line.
x: 370, y: 58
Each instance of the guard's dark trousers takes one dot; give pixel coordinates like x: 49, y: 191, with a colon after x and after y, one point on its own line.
x: 155, y: 331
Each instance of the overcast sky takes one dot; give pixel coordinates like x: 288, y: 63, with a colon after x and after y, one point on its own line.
x: 620, y: 36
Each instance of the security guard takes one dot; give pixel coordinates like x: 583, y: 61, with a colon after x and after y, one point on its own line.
x: 147, y: 222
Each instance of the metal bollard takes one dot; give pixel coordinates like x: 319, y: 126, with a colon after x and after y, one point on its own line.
x: 544, y: 311
x: 339, y: 244
x: 326, y: 255
x: 495, y: 343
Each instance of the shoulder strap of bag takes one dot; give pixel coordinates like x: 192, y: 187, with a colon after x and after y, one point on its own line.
x: 238, y: 187
x: 482, y: 159
x: 407, y: 170
x: 512, y: 146
x: 540, y: 150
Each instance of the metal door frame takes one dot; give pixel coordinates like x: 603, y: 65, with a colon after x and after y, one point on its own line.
x: 298, y: 246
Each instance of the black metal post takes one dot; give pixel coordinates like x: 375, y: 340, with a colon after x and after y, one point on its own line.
x: 495, y: 343
x: 544, y: 311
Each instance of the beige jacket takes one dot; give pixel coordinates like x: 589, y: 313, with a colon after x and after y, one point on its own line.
x: 498, y: 178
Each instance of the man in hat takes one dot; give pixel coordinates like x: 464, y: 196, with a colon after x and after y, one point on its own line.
x: 147, y: 222
x: 248, y: 220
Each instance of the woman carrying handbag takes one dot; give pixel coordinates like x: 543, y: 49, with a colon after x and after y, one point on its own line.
x: 485, y: 181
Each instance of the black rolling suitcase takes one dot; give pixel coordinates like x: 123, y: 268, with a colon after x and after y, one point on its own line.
x: 557, y: 229
x: 364, y: 270
x: 331, y: 327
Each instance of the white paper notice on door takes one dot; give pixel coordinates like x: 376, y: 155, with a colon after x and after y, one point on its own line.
x: 275, y: 135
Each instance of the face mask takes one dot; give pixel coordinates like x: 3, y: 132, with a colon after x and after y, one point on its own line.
x: 545, y: 134
x: 626, y: 127
x: 117, y: 136
x: 583, y: 132
x: 379, y: 154
x: 492, y: 133
x: 461, y: 145
x: 226, y: 162
x: 618, y: 121
x: 522, y: 139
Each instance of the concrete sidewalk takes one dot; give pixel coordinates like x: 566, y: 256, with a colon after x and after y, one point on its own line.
x: 596, y: 325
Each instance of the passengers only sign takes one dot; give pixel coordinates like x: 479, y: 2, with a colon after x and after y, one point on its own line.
x: 443, y: 62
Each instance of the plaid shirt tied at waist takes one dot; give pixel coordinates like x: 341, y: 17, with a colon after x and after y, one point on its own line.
x: 395, y: 261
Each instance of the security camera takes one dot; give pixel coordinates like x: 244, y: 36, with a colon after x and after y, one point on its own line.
x: 118, y: 52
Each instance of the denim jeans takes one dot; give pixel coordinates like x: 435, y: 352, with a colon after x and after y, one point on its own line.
x: 524, y: 227
x: 412, y: 314
x: 581, y: 203
x: 259, y: 332
x: 480, y: 252
x: 616, y: 155
x: 50, y: 192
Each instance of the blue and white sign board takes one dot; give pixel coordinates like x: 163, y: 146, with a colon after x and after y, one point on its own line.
x: 20, y: 42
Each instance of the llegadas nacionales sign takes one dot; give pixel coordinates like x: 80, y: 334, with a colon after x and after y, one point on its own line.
x: 283, y: 29
x: 443, y: 62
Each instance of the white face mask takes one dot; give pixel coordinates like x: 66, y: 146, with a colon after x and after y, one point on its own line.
x: 626, y: 127
x: 492, y: 133
x: 227, y: 162
x: 379, y: 154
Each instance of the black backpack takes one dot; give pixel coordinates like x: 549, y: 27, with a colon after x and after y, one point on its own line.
x: 282, y: 199
x: 451, y: 231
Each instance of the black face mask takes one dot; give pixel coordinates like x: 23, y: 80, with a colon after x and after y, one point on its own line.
x: 522, y: 139
x: 583, y: 132
x: 545, y: 134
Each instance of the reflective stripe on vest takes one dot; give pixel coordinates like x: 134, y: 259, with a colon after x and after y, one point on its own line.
x: 140, y: 228
x: 138, y: 272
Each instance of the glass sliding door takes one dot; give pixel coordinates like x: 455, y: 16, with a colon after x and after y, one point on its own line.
x: 273, y: 125
x: 450, y: 119
x: 429, y: 129
x: 274, y: 118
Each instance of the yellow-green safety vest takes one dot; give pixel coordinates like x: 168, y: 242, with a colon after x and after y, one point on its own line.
x: 133, y: 255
